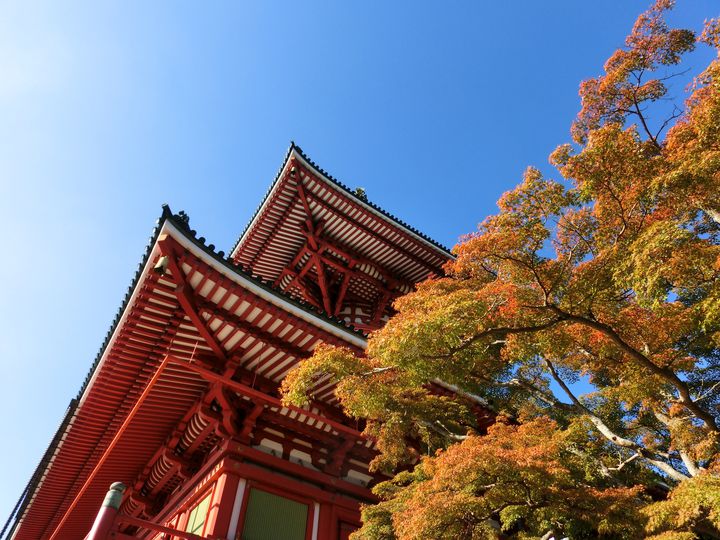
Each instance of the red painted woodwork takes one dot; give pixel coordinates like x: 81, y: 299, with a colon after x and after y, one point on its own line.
x: 147, y: 525
x: 184, y: 398
x: 319, y: 242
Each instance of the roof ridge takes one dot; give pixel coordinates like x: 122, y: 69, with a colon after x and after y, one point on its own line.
x: 181, y: 221
x: 268, y: 285
x: 347, y: 191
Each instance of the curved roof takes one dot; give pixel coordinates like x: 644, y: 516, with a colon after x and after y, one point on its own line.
x: 106, y: 394
x: 305, y: 209
x: 421, y: 247
x: 297, y: 151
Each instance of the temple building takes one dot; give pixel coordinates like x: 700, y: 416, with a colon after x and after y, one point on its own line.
x: 182, y: 403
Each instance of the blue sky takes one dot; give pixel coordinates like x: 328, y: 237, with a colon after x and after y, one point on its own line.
x: 108, y: 110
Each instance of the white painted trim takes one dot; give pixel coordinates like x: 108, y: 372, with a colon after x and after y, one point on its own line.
x: 237, y: 506
x: 251, y: 286
x: 316, y: 520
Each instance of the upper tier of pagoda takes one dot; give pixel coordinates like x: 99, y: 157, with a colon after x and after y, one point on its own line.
x: 321, y: 242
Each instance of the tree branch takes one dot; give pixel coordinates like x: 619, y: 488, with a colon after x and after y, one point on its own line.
x: 613, y: 437
x: 664, y: 373
x: 501, y: 331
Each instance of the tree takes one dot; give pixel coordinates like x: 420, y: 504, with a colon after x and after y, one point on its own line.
x: 611, y: 275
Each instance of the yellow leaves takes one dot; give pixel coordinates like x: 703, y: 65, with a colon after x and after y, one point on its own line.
x: 575, y: 236
x: 612, y: 169
x: 711, y: 33
x: 691, y: 503
x: 697, y: 444
x: 335, y: 362
x: 673, y: 536
x: 534, y: 199
x: 515, y: 474
x: 561, y: 155
x: 663, y: 257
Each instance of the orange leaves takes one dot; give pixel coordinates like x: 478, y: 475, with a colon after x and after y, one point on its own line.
x: 692, y: 181
x: 513, y: 477
x: 629, y: 299
x: 614, y: 173
x: 621, y: 92
x: 711, y: 33
x: 657, y: 43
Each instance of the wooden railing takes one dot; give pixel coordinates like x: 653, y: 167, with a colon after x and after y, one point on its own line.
x: 108, y: 521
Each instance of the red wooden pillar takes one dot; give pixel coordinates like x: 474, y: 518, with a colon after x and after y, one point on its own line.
x: 221, y: 506
x: 108, y: 512
x: 325, y: 531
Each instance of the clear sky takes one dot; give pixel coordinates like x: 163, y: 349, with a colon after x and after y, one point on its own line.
x: 109, y: 109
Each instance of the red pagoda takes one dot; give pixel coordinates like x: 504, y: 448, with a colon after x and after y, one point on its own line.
x: 182, y: 405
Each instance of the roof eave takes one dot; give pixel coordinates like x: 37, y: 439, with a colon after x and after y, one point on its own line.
x: 188, y: 238
x: 296, y: 151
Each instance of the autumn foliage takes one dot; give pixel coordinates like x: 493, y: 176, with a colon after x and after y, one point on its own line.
x: 609, y: 276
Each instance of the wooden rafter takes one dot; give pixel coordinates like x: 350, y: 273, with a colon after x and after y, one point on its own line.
x: 338, y: 213
x: 320, y: 253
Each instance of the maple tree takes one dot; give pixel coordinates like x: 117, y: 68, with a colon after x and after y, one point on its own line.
x: 610, y: 276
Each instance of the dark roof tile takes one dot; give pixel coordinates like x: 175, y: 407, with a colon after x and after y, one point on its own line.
x: 351, y: 193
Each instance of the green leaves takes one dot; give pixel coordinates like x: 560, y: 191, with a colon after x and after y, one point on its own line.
x: 612, y: 276
x: 515, y: 478
x: 694, y: 504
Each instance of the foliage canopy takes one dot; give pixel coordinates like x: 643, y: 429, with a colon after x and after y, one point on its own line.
x: 610, y: 275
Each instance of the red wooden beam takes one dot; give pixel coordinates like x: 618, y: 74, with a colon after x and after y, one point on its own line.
x: 186, y: 298
x: 311, y: 196
x: 249, y: 423
x: 297, y: 176
x: 317, y: 245
x: 274, y: 231
x: 338, y: 457
x: 382, y: 304
x: 249, y: 328
x: 298, y: 280
x: 341, y: 293
x: 112, y: 444
x: 270, y: 462
x: 261, y: 397
x: 271, y: 308
x: 150, y: 526
x: 322, y: 282
x: 351, y: 255
x: 313, y: 230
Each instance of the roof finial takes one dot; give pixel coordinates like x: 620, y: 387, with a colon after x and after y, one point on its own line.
x: 182, y: 215
x: 360, y: 193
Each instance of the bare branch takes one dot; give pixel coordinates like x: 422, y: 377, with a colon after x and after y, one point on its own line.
x: 622, y: 464
x: 604, y: 429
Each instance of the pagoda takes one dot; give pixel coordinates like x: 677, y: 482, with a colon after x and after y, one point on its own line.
x: 182, y: 403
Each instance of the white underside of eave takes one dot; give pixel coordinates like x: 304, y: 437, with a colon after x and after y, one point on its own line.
x: 331, y: 185
x: 171, y: 230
